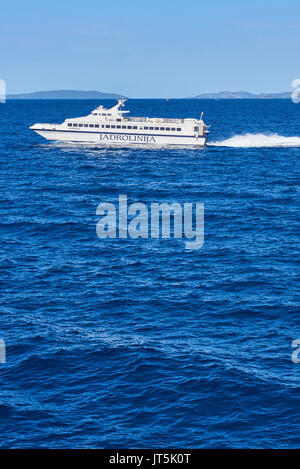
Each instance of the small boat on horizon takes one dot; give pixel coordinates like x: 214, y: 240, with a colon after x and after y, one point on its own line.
x: 112, y: 127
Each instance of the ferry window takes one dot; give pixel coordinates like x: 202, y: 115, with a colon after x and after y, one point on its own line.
x: 86, y: 125
x: 134, y: 127
x: 124, y: 127
x: 118, y: 126
x: 162, y: 128
x: 156, y: 128
x: 173, y: 128
x: 179, y: 129
x: 108, y: 114
x: 91, y: 125
x: 118, y: 120
x: 108, y: 126
x: 145, y: 128
x: 97, y: 125
x: 151, y: 128
x: 103, y: 114
x: 113, y: 126
x: 80, y: 125
x: 168, y: 128
x: 74, y: 125
x: 69, y: 125
x: 102, y: 126
x: 196, y: 129
x: 130, y: 127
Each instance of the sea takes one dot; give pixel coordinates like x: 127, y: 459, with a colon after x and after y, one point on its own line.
x: 142, y: 343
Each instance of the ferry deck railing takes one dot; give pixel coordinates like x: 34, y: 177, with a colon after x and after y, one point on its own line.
x: 153, y: 120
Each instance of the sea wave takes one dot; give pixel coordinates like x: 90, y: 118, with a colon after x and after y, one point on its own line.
x: 257, y: 141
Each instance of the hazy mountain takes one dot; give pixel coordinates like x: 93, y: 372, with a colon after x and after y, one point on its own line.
x: 243, y: 95
x: 284, y: 95
x: 74, y: 94
x: 65, y: 94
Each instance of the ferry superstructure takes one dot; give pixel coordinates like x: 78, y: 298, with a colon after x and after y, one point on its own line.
x: 113, y: 127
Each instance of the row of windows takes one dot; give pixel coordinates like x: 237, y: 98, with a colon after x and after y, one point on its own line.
x: 162, y: 128
x: 129, y: 127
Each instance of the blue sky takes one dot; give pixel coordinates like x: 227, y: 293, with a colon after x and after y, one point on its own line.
x: 150, y: 48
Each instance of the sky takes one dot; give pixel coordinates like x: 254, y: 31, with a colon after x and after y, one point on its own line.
x: 150, y: 48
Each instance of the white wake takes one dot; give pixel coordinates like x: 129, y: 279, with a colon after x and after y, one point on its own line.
x: 258, y: 141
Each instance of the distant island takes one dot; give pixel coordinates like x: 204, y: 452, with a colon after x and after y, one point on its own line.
x: 66, y: 94
x: 243, y: 95
x: 74, y: 94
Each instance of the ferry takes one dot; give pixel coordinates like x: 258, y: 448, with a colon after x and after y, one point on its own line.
x: 114, y: 127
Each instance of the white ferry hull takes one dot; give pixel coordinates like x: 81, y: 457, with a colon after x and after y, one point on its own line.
x: 112, y: 127
x: 118, y: 139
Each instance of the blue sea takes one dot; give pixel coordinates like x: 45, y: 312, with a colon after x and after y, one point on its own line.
x: 141, y: 343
